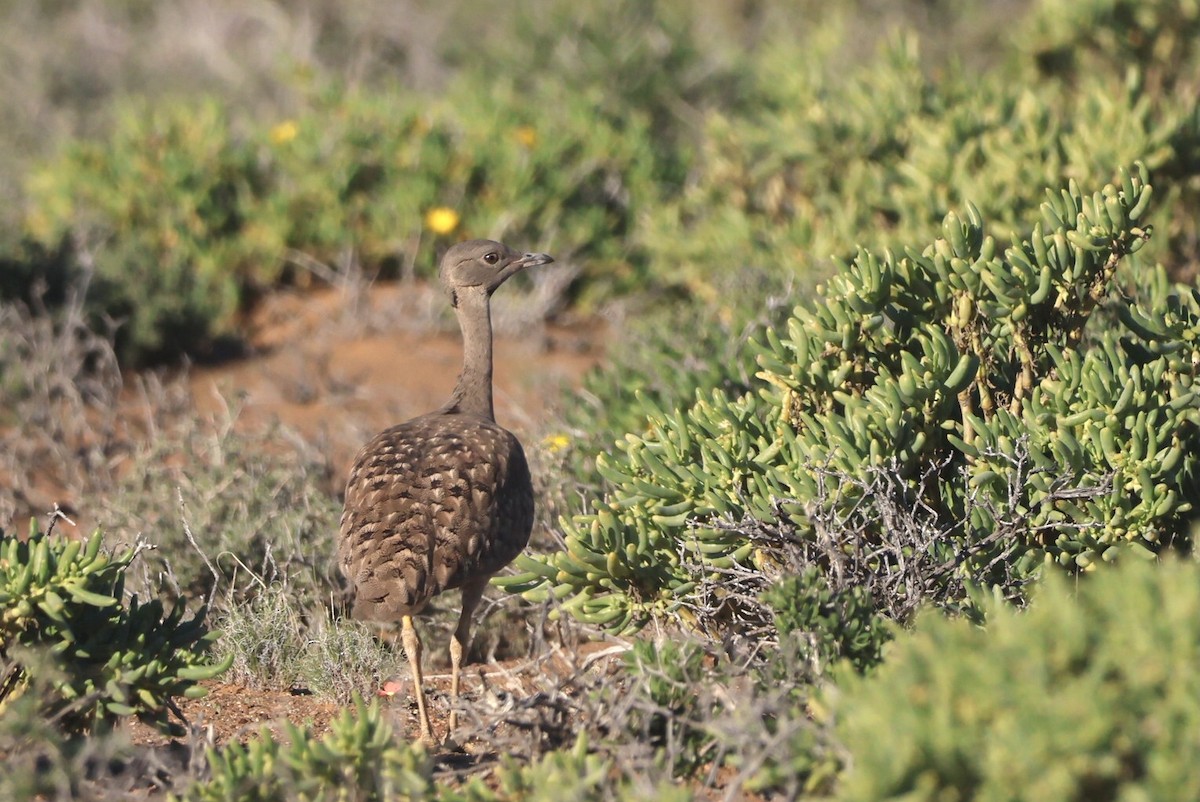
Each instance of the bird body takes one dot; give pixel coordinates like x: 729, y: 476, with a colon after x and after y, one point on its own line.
x: 444, y: 500
x: 430, y: 504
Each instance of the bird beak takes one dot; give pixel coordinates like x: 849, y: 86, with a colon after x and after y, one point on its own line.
x: 516, y: 266
x: 533, y: 260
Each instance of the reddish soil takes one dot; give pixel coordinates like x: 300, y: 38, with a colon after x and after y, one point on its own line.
x: 338, y: 368
x: 232, y: 712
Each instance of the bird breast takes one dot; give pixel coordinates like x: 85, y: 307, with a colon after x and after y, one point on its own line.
x: 430, y: 504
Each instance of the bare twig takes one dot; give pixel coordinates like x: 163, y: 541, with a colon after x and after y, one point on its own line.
x: 187, y: 531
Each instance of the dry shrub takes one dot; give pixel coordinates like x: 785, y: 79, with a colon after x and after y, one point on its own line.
x: 58, y: 388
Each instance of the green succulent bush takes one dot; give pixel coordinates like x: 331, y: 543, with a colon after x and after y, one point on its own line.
x: 575, y: 773
x: 832, y: 155
x: 881, y: 151
x: 653, y: 367
x: 741, y: 712
x: 561, y: 180
x: 643, y: 175
x: 155, y: 216
x: 1027, y: 410
x: 115, y: 657
x: 185, y: 214
x: 1086, y: 695
x: 359, y: 759
x: 41, y: 761
x: 1069, y: 39
x: 674, y: 719
x: 827, y: 625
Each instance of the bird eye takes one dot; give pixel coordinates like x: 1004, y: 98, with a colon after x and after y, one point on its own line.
x: 491, y: 257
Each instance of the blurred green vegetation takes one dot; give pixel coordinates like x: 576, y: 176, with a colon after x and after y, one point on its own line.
x: 657, y: 145
x: 1084, y: 696
x: 793, y: 475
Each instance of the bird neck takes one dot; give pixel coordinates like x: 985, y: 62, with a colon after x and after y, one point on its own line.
x: 473, y: 393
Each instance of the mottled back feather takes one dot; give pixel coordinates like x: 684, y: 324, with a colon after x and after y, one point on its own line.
x: 430, y: 504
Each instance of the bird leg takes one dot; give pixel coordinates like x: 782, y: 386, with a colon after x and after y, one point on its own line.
x: 472, y: 592
x: 412, y: 648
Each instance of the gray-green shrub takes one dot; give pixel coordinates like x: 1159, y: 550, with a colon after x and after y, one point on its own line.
x: 980, y: 373
x: 1089, y: 694
x: 358, y: 759
x: 113, y: 656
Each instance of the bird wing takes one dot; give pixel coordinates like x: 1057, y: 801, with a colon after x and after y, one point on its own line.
x: 430, y: 504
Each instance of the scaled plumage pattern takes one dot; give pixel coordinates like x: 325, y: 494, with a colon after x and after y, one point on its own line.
x: 444, y: 500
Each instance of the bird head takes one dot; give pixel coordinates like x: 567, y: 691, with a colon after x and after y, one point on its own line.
x: 481, y: 265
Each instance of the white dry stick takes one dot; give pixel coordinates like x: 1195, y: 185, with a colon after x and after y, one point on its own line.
x: 187, y: 531
x: 54, y: 515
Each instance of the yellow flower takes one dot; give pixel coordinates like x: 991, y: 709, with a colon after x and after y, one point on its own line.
x: 556, y: 442
x: 283, y: 133
x: 526, y: 135
x: 441, y: 220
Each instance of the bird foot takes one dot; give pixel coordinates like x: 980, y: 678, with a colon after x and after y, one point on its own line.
x: 388, y: 691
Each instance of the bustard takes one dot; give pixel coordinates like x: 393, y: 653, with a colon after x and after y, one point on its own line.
x: 445, y: 500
